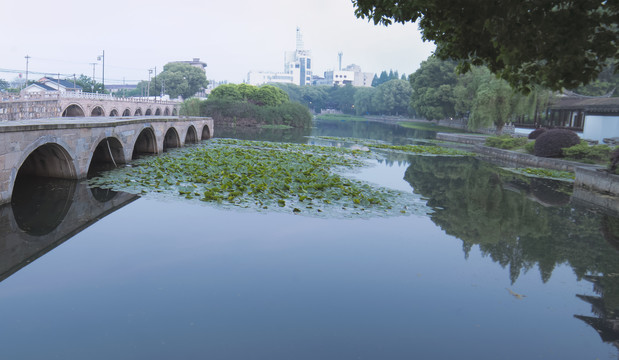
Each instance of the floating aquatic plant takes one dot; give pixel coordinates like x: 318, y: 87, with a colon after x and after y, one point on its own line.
x: 411, y: 149
x: 263, y: 175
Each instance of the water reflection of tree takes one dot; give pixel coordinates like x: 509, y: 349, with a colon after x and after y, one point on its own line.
x: 511, y: 217
x: 391, y: 133
x: 294, y: 135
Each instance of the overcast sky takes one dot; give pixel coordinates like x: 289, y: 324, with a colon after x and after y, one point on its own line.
x: 232, y: 37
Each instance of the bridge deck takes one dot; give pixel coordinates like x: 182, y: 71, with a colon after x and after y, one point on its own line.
x: 78, y: 122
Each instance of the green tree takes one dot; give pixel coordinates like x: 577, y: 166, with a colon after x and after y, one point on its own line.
x: 89, y: 85
x: 4, y: 85
x: 342, y: 98
x: 363, y: 101
x: 526, y: 42
x: 492, y: 105
x: 180, y: 79
x: 226, y: 92
x: 394, y: 95
x: 267, y: 95
x: 433, y: 89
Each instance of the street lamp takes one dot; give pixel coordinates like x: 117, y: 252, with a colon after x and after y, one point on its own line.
x: 102, y: 58
x: 150, y: 71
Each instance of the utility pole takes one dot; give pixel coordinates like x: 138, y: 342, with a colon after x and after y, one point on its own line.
x: 99, y: 58
x: 27, y: 57
x: 93, y: 76
x: 150, y: 71
x: 155, y: 83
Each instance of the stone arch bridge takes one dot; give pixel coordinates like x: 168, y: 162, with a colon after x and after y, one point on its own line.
x: 55, y: 104
x: 71, y: 148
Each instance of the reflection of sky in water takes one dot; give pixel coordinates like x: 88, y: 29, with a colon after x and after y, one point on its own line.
x: 162, y: 280
x: 387, y: 175
x: 175, y: 279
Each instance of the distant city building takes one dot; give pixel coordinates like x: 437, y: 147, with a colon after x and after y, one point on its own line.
x: 297, y: 68
x: 195, y: 62
x: 350, y: 75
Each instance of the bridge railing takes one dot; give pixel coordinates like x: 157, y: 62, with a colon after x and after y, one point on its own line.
x: 55, y: 95
x: 47, y: 95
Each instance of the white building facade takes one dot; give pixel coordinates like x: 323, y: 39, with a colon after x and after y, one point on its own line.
x: 297, y: 68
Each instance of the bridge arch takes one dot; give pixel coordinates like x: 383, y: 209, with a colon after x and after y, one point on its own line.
x: 47, y: 158
x: 106, y: 155
x: 114, y: 112
x: 192, y: 135
x: 148, y: 112
x: 146, y: 143
x: 206, y: 133
x: 174, y: 112
x: 158, y: 111
x: 138, y: 112
x: 171, y: 139
x: 127, y: 112
x: 73, y: 110
x: 97, y: 111
x: 166, y: 111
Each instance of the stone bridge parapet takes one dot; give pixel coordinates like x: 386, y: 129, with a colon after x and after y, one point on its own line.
x: 55, y: 104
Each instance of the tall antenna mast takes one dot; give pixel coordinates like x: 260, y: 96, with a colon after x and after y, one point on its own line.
x: 299, y: 39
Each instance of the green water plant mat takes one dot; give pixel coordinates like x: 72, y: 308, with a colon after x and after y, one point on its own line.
x: 263, y: 175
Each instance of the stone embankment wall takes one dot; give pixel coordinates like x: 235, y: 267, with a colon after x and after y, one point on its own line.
x: 592, y: 184
x: 528, y: 159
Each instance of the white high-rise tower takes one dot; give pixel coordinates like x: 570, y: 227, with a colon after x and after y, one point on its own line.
x: 298, y: 63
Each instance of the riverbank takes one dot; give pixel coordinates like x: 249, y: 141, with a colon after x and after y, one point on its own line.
x: 592, y: 184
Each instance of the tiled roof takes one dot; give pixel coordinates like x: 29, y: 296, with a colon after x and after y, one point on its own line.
x: 64, y: 83
x: 587, y: 104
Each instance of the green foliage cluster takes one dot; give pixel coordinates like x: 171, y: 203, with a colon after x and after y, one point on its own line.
x: 176, y: 79
x: 231, y: 112
x: 552, y: 142
x: 266, y: 95
x: 482, y: 98
x: 411, y: 149
x: 530, y: 147
x: 428, y: 126
x: 433, y: 89
x: 578, y: 36
x: 389, y: 98
x: 589, y: 153
x: 384, y: 77
x: 191, y: 107
x: 88, y: 84
x: 506, y: 142
x: 260, y: 175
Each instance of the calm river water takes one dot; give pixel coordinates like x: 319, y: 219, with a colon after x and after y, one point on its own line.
x: 502, y: 267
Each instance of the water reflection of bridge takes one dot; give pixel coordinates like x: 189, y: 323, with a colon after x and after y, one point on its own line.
x: 33, y: 225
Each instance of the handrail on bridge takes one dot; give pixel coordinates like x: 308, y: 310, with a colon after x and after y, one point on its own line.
x: 56, y: 95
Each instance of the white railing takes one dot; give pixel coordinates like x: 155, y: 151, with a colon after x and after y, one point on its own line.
x: 55, y: 95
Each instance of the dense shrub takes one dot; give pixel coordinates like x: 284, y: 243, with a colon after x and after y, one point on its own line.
x: 505, y: 142
x: 244, y: 113
x: 551, y: 142
x: 535, y: 133
x: 584, y: 151
x: 530, y: 147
